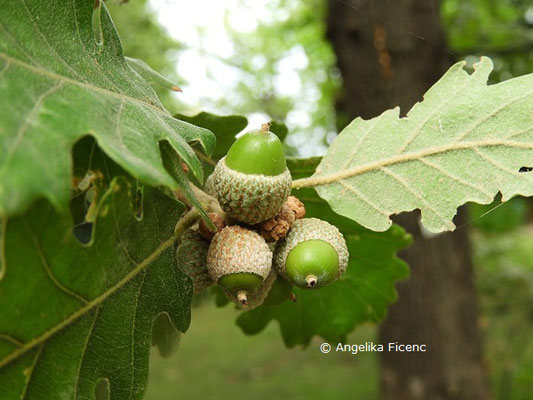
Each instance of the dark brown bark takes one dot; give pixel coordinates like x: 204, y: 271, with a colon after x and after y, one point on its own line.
x: 382, y: 67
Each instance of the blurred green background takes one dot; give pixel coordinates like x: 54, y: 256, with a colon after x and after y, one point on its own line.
x: 215, y: 358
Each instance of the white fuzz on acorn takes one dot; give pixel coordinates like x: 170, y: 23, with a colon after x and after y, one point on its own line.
x: 250, y: 198
x: 238, y: 250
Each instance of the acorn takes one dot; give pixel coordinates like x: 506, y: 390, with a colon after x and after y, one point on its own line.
x: 313, y: 254
x: 253, y: 182
x: 191, y: 256
x: 239, y: 260
x: 209, y: 186
x: 259, y: 296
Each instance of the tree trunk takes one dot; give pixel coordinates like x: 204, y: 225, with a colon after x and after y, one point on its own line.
x: 389, y: 53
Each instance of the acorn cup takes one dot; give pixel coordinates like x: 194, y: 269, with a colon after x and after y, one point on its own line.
x: 253, y: 182
x: 313, y: 254
x: 239, y: 260
x: 191, y: 256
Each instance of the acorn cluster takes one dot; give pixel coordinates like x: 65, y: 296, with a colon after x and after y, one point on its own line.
x: 263, y: 245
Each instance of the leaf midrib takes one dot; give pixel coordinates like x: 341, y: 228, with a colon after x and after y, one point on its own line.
x: 89, y: 306
x: 62, y: 78
x: 317, y: 180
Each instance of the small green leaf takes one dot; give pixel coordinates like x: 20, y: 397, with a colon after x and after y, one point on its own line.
x: 464, y: 143
x: 57, y: 84
x: 361, y: 295
x: 279, y: 129
x: 302, y: 167
x: 224, y: 127
x: 88, y: 308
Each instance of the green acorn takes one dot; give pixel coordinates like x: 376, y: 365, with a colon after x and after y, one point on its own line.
x: 313, y: 254
x: 239, y: 260
x: 257, y: 297
x: 253, y: 182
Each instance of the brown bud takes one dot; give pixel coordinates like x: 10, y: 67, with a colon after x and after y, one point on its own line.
x: 204, y: 229
x: 296, y: 206
x: 276, y: 228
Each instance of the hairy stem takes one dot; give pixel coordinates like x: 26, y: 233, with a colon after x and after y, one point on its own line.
x: 185, y: 222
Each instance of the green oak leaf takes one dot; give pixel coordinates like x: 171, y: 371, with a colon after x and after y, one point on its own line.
x: 464, y: 143
x: 279, y: 129
x: 77, y: 319
x: 361, y: 295
x: 62, y: 76
x: 302, y: 167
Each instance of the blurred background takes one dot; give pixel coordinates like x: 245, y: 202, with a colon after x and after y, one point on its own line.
x: 316, y: 65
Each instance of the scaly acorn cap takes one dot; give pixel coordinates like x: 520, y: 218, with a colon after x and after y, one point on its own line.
x: 250, y: 198
x: 308, y: 229
x: 191, y: 256
x: 236, y: 250
x: 252, y: 182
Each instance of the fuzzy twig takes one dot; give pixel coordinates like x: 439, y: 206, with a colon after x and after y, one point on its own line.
x: 185, y: 222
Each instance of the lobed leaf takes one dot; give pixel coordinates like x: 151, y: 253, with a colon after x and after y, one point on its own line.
x: 464, y: 143
x: 77, y: 319
x: 62, y: 76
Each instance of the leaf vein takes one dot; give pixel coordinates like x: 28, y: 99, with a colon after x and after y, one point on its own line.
x: 133, y: 334
x: 456, y: 178
x: 359, y: 144
x: 85, y: 345
x: 417, y: 195
x: 398, y: 159
x: 520, y: 132
x: 489, y: 115
x: 95, y: 63
x: 430, y: 116
x: 46, y: 267
x: 30, y: 373
x: 90, y: 305
x: 360, y: 195
x: 23, y: 128
x: 498, y: 165
x: 11, y: 339
x: 8, y: 35
x: 51, y: 48
x: 41, y: 71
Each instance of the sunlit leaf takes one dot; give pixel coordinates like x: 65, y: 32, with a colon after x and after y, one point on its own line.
x: 62, y: 76
x: 464, y: 143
